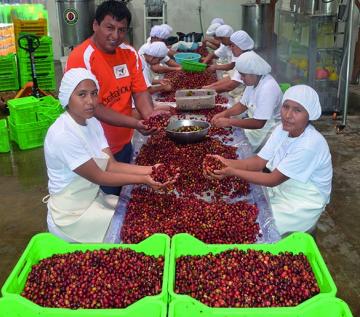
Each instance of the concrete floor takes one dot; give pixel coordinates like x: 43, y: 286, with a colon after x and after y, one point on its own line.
x: 23, y: 183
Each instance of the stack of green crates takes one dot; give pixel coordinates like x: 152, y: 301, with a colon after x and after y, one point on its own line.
x: 44, y: 64
x: 4, y: 137
x: 8, y: 73
x: 30, y: 119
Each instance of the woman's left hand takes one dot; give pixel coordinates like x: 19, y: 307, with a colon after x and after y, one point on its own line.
x: 144, y: 130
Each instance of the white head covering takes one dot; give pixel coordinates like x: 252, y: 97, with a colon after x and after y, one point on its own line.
x: 217, y: 20
x: 69, y: 82
x: 168, y: 27
x: 160, y: 31
x: 212, y: 29
x: 252, y: 63
x: 305, y: 96
x: 224, y: 31
x: 156, y: 49
x: 242, y: 40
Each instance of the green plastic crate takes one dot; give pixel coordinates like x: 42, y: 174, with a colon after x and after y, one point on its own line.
x: 9, y: 82
x: 4, y: 137
x: 20, y: 307
x: 29, y: 135
x: 315, y: 307
x: 23, y: 110
x: 185, y: 244
x: 44, y: 50
x: 190, y: 66
x: 8, y: 64
x: 49, y: 109
x: 44, y: 245
x: 42, y: 65
x: 45, y: 81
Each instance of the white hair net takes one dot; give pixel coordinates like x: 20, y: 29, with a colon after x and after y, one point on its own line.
x: 307, y: 97
x: 224, y: 31
x: 168, y: 27
x: 212, y: 29
x: 160, y: 31
x: 69, y: 82
x: 156, y: 49
x: 217, y: 20
x: 252, y: 63
x: 242, y: 40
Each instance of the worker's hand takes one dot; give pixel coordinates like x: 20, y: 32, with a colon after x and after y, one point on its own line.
x: 207, y: 87
x: 221, y: 122
x: 156, y: 185
x: 144, y: 130
x: 218, y: 174
x: 212, y: 68
x: 165, y: 85
x: 217, y: 116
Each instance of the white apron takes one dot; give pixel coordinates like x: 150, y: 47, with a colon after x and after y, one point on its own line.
x: 296, y: 206
x: 80, y: 210
x: 258, y: 137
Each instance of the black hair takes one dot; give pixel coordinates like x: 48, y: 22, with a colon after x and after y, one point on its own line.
x: 116, y: 9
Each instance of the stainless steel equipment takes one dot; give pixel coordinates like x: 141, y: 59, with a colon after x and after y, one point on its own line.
x: 256, y: 19
x: 319, y: 7
x: 75, y: 19
x: 187, y: 137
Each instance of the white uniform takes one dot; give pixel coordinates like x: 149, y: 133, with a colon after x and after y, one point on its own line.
x: 146, y: 71
x: 224, y: 53
x: 298, y: 202
x: 77, y: 209
x: 64, y: 150
x: 263, y: 103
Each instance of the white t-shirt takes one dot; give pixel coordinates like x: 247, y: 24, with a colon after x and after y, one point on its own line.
x: 304, y: 158
x: 146, y: 71
x: 224, y: 52
x: 266, y: 97
x: 236, y: 76
x: 141, y: 51
x: 65, y: 150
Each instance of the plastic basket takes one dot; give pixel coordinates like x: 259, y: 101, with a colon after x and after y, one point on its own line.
x: 284, y: 86
x: 4, y: 137
x: 23, y: 110
x: 45, y: 81
x: 49, y: 109
x: 42, y: 65
x: 195, y: 99
x: 20, y: 307
x: 37, y: 27
x: 9, y: 82
x: 44, y: 50
x: 180, y: 57
x: 185, y: 244
x: 8, y: 64
x: 44, y: 245
x: 316, y: 307
x: 190, y: 66
x: 29, y: 135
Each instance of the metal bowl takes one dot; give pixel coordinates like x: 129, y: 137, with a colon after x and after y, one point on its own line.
x: 187, y: 137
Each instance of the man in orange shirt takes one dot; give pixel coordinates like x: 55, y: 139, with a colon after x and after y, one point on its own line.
x: 118, y: 69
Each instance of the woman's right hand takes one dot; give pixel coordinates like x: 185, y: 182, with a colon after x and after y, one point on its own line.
x: 156, y: 185
x: 217, y: 116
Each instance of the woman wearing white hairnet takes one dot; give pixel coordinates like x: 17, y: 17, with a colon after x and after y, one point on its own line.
x: 261, y: 101
x: 210, y: 39
x: 159, y: 33
x: 223, y: 34
x: 78, y: 160
x: 152, y: 55
x: 240, y: 42
x: 299, y: 159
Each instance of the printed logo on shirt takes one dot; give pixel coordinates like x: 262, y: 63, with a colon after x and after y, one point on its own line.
x: 115, y: 95
x: 121, y: 71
